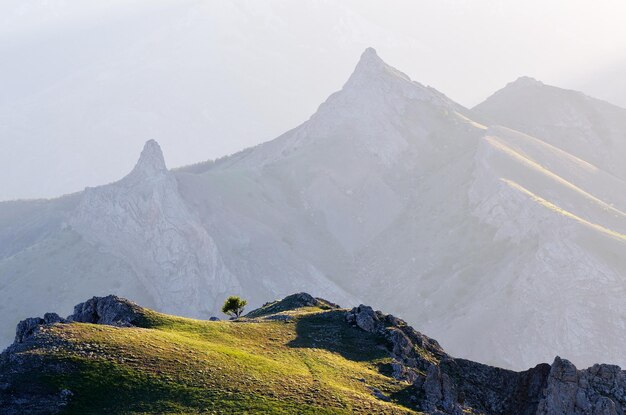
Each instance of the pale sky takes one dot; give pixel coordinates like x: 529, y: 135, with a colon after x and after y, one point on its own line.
x: 83, y: 84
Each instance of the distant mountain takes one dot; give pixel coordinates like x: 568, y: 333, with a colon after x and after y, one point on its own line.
x: 585, y: 127
x: 508, y: 247
x: 299, y: 355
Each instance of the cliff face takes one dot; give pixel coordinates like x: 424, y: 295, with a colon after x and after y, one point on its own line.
x: 368, y: 361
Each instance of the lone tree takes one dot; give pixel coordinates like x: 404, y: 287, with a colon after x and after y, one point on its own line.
x: 233, y: 306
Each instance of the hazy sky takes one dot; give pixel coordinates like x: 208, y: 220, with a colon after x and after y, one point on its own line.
x: 83, y: 84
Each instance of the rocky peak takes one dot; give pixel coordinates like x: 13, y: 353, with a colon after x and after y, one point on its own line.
x: 371, y: 69
x: 151, y: 161
x: 525, y: 82
x: 370, y: 62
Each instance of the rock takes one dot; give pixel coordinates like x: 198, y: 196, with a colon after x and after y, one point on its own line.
x: 599, y: 390
x: 110, y: 310
x: 400, y: 344
x: 378, y: 394
x: 213, y: 318
x: 432, y: 389
x: 401, y: 372
x: 562, y: 390
x: 365, y: 318
x: 450, y: 385
x: 605, y: 406
x: 51, y: 318
x: 26, y: 328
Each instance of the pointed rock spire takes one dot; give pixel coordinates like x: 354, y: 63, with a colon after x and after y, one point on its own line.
x: 151, y: 160
x: 370, y: 61
x: 372, y: 67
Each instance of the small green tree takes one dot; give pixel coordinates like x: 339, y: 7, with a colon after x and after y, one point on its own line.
x: 233, y: 306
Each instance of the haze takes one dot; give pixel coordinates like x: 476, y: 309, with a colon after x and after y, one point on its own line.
x: 83, y: 86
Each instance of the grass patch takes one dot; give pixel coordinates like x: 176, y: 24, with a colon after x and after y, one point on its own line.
x: 315, y: 363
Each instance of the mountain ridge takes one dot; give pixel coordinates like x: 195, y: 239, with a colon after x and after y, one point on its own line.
x: 368, y: 361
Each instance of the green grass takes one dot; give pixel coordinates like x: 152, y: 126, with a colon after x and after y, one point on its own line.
x: 313, y: 364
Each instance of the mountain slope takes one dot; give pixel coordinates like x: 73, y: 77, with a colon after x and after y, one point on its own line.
x: 298, y: 355
x: 585, y: 127
x: 390, y: 193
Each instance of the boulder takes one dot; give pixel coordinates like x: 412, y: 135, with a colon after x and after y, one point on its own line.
x: 365, y: 318
x: 110, y: 310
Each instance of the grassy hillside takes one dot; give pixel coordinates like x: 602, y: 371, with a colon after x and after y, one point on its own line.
x: 277, y: 361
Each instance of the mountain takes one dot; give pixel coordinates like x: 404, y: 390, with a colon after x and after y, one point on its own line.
x: 585, y: 127
x: 300, y: 355
x: 506, y: 246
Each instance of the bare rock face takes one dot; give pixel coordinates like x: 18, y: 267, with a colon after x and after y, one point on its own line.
x: 26, y: 328
x: 599, y: 390
x: 446, y: 385
x: 143, y: 220
x: 402, y: 338
x: 110, y: 310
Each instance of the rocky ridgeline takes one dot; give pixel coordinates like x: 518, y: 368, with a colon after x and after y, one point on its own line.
x: 446, y: 385
x: 110, y: 310
x: 437, y: 382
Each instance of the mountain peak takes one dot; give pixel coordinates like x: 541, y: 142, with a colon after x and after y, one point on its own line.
x: 151, y: 160
x: 525, y: 81
x: 370, y: 60
x: 371, y: 67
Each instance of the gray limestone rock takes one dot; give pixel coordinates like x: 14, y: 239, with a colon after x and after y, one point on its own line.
x: 110, y: 310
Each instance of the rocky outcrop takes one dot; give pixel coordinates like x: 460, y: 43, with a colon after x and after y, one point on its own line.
x: 27, y: 327
x: 445, y: 385
x: 405, y: 343
x: 599, y: 390
x: 110, y: 310
x: 291, y: 302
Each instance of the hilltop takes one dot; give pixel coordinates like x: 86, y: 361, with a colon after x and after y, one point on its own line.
x: 299, y: 355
